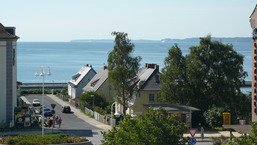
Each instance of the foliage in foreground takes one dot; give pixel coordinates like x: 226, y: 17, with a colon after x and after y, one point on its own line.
x: 246, y: 139
x: 38, y: 139
x: 155, y: 127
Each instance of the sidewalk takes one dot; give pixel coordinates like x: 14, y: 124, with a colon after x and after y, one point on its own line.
x: 209, y: 134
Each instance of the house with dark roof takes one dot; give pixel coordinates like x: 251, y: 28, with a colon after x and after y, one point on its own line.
x: 80, y: 80
x: 8, y: 73
x: 148, y: 96
x: 100, y: 83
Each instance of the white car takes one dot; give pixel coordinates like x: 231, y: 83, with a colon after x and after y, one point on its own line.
x: 36, y: 102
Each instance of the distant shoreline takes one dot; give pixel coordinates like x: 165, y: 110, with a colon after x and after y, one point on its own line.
x: 171, y: 40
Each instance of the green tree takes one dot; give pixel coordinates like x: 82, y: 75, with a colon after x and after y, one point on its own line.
x: 173, y: 78
x: 123, y: 68
x: 215, y: 73
x: 212, y: 73
x: 155, y: 127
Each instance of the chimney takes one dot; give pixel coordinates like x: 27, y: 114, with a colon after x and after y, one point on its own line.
x: 156, y: 67
x: 10, y: 30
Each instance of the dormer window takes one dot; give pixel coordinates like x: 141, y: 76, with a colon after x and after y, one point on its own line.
x: 94, y: 83
x: 76, y: 76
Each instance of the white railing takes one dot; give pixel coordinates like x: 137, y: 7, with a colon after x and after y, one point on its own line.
x: 102, y: 118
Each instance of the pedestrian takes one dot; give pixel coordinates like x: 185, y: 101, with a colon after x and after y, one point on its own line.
x: 60, y: 122
x: 50, y: 121
x: 56, y: 120
x: 53, y: 121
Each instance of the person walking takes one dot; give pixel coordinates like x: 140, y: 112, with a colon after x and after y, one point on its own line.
x: 53, y: 122
x: 56, y: 120
x: 60, y: 122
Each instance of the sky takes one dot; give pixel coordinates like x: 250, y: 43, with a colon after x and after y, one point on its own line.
x: 65, y: 20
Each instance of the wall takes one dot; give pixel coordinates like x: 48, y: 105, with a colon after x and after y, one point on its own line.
x: 106, y: 90
x: 253, y: 22
x: 2, y: 80
x: 83, y: 83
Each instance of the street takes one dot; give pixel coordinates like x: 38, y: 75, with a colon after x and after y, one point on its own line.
x: 71, y: 124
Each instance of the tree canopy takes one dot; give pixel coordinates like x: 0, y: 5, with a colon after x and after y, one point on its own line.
x: 155, y: 127
x: 123, y: 68
x: 212, y: 73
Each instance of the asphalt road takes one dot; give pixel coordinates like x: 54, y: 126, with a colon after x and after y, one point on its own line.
x: 71, y: 124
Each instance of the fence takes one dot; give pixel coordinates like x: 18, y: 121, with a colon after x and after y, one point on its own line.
x: 74, y: 103
x: 97, y: 116
x: 102, y: 118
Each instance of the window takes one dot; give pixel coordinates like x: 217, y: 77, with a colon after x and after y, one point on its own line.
x: 151, y: 97
x: 13, y: 55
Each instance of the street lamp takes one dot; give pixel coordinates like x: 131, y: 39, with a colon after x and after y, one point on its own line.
x: 117, y: 114
x: 43, y: 73
x: 93, y: 102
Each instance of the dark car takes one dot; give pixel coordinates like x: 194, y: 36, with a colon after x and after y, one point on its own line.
x: 47, y: 111
x: 66, y: 109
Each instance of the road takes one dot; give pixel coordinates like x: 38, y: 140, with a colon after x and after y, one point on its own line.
x: 71, y: 124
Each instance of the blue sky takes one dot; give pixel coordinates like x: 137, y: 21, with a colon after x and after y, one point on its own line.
x: 65, y: 20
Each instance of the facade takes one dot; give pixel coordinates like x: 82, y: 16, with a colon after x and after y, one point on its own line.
x: 8, y: 73
x: 79, y: 81
x: 100, y: 84
x: 148, y: 97
x: 253, y: 22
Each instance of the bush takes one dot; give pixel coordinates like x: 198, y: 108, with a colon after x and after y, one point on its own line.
x: 35, y: 91
x: 213, y: 116
x: 38, y: 139
x: 101, y: 105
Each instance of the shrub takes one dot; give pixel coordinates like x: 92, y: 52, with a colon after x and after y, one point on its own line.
x: 38, y: 139
x: 213, y: 116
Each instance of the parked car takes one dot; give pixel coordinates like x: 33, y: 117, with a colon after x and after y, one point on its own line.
x: 47, y: 111
x: 36, y: 102
x: 254, y: 33
x: 66, y: 109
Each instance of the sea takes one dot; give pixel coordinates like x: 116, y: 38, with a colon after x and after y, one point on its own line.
x: 64, y: 59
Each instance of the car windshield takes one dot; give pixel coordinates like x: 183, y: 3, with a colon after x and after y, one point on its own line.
x: 36, y: 100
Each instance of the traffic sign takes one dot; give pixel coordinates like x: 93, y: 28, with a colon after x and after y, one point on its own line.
x: 192, y: 132
x: 192, y: 141
x: 53, y: 106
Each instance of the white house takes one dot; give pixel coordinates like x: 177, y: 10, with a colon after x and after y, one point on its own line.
x: 8, y: 73
x: 80, y: 80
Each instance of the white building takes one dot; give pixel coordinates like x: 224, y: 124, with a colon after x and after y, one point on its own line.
x: 80, y: 80
x: 8, y: 73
